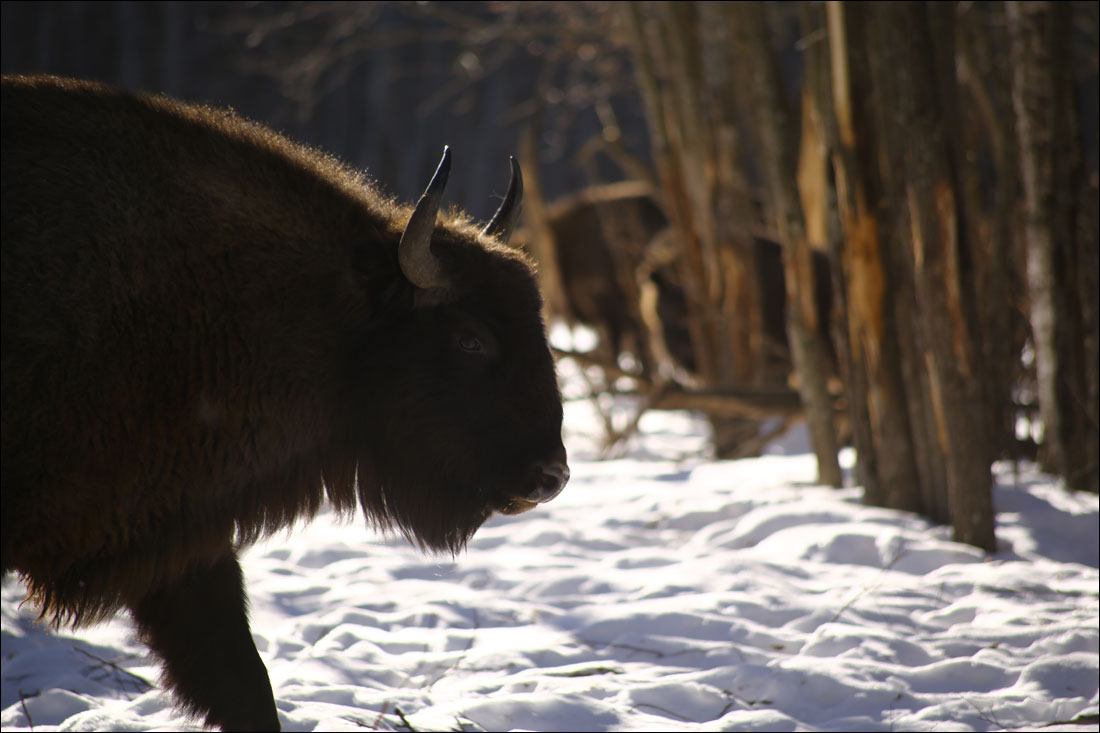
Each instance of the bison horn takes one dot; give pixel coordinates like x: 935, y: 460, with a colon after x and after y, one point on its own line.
x: 414, y: 252
x: 504, y: 221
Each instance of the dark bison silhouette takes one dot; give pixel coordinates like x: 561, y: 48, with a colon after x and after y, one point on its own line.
x: 605, y: 232
x: 209, y: 329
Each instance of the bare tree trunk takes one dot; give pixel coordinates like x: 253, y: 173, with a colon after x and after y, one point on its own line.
x: 693, y: 136
x: 776, y: 143
x: 874, y: 381
x: 1050, y: 165
x: 903, y: 52
x: 996, y: 245
x: 666, y: 159
x: 542, y: 243
x: 819, y: 111
x: 1088, y: 282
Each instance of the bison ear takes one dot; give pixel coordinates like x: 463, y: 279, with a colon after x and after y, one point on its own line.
x: 414, y: 252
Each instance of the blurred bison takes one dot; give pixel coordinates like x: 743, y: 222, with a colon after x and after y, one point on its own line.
x: 602, y: 237
x: 207, y: 329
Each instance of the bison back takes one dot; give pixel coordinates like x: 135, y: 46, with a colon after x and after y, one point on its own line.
x: 168, y: 314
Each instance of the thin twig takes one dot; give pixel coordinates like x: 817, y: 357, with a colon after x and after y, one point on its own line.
x: 619, y: 437
x: 141, y: 681
x: 26, y: 713
x: 462, y: 655
x: 666, y: 711
x: 381, y: 715
x: 869, y: 587
x: 404, y: 721
x: 987, y: 716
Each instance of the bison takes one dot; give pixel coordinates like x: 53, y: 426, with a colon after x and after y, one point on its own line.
x: 602, y: 235
x: 209, y: 329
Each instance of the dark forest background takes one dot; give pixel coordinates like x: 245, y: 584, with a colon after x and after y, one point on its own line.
x: 880, y: 218
x: 381, y: 85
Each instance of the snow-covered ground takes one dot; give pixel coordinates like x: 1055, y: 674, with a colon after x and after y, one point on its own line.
x: 659, y: 592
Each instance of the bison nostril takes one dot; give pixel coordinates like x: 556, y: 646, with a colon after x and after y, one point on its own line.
x: 551, y: 479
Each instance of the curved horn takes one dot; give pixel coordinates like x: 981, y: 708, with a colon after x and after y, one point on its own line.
x: 504, y: 221
x: 414, y: 252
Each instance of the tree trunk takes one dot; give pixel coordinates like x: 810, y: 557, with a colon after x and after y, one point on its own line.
x: 903, y: 54
x: 874, y: 380
x: 540, y: 234
x: 1051, y: 170
x: 692, y: 136
x: 776, y: 144
x: 991, y: 134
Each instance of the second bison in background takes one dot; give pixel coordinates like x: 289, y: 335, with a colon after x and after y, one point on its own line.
x: 207, y: 329
x: 602, y: 237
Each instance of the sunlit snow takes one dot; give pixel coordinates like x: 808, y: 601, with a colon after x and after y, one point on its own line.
x: 660, y: 591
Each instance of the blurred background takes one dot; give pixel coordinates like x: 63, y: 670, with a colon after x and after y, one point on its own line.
x: 382, y: 85
x: 878, y: 219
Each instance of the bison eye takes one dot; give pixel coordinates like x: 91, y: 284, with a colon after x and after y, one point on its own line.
x: 471, y: 337
x: 469, y: 343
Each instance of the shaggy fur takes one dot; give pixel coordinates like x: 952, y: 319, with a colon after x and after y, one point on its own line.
x: 205, y: 333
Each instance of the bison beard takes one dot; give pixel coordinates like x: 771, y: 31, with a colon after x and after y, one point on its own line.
x: 207, y: 330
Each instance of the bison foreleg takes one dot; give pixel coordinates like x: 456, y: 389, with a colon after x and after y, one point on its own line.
x: 199, y: 627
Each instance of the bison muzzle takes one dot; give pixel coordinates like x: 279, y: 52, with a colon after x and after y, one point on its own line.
x: 209, y: 329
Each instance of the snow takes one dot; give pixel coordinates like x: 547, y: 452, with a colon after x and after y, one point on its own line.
x: 660, y: 591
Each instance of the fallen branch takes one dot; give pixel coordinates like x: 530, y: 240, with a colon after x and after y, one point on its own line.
x: 761, y: 402
x: 747, y: 403
x: 754, y: 404
x: 614, y: 438
x: 754, y: 446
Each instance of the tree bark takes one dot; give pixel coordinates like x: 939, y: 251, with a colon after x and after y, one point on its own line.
x: 1051, y: 170
x: 882, y: 428
x: 776, y: 144
x: 990, y: 133
x: 540, y: 233
x: 693, y: 135
x: 903, y: 52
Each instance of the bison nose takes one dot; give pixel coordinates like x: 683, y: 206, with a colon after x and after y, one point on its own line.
x: 549, y: 481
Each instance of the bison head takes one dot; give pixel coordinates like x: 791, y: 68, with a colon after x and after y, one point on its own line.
x: 457, y: 362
